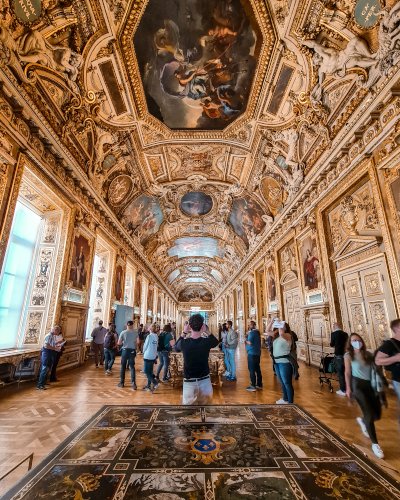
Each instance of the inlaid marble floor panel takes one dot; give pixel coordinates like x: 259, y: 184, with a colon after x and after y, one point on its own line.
x: 204, y: 453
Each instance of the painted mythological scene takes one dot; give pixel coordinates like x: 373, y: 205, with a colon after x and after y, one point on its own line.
x: 197, y: 60
x: 119, y: 282
x: 246, y: 219
x: 143, y: 218
x: 80, y: 264
x: 196, y: 247
x: 195, y: 294
x: 311, y: 267
x: 196, y: 203
x: 271, y: 284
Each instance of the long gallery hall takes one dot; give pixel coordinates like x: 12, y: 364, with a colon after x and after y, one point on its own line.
x: 199, y: 249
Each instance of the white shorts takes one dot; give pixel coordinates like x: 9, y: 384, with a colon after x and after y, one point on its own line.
x: 199, y: 392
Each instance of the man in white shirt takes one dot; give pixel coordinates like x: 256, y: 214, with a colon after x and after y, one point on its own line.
x: 98, y: 335
x: 230, y: 352
x: 50, y: 348
x: 149, y: 358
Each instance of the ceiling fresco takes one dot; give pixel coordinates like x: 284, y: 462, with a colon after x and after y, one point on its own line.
x: 195, y: 294
x: 197, y: 60
x: 194, y: 129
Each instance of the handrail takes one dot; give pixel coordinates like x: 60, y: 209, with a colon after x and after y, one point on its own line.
x: 16, y: 466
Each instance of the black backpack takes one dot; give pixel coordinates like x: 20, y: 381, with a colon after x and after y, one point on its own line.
x: 161, y: 343
x: 109, y: 341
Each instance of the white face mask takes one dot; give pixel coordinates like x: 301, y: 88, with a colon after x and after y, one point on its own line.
x: 357, y: 344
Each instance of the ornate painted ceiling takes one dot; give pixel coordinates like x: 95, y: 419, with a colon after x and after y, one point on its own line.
x: 197, y: 122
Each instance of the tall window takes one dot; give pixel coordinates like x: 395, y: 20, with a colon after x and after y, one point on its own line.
x: 15, y: 273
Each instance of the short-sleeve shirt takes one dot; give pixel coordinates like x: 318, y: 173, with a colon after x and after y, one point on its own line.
x: 129, y: 338
x: 195, y: 355
x: 255, y: 339
x: 282, y: 348
x: 49, y: 339
x: 167, y: 338
x: 389, y: 348
x: 358, y: 368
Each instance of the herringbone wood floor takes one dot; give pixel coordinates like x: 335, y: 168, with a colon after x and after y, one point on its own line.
x: 33, y: 421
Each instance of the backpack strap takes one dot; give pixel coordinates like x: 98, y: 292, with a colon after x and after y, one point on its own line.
x: 395, y: 345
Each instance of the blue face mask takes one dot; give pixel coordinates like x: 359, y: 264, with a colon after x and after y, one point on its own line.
x: 357, y: 344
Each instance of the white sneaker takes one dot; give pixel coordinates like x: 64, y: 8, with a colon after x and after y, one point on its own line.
x: 377, y: 451
x: 363, y: 428
x: 341, y: 393
x: 282, y: 402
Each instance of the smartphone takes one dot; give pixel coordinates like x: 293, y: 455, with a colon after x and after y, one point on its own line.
x: 279, y: 324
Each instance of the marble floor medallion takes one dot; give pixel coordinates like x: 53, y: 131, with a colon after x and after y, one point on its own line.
x: 221, y: 452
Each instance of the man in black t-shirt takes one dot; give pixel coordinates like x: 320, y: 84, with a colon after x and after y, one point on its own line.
x: 339, y: 341
x: 388, y: 355
x: 197, y: 388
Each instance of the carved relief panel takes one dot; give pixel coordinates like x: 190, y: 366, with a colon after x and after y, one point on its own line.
x: 354, y: 215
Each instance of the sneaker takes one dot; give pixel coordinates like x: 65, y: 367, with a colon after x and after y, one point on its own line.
x: 121, y: 384
x: 40, y: 388
x: 96, y: 366
x: 108, y: 372
x: 251, y: 389
x: 280, y: 401
x: 377, y: 451
x: 363, y: 428
x: 226, y: 374
x: 341, y: 393
x: 230, y: 378
x: 134, y: 386
x: 155, y: 387
x: 147, y: 388
x: 165, y: 380
x: 259, y: 387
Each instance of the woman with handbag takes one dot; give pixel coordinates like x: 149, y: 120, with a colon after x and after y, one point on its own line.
x: 359, y: 373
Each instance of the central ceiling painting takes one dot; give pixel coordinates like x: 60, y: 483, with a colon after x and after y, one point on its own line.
x: 196, y: 203
x: 197, y: 59
x: 196, y: 247
x: 195, y: 294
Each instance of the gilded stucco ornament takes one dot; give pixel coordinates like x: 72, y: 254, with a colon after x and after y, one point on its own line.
x: 349, y: 215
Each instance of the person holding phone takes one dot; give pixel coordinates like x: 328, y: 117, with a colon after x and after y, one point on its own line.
x: 282, y: 346
x: 197, y: 388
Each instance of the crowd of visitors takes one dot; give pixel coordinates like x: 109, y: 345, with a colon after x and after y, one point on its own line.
x: 360, y: 373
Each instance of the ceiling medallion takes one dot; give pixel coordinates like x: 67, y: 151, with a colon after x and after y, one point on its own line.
x: 196, y: 203
x: 119, y: 189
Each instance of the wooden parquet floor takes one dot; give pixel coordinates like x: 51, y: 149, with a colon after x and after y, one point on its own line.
x: 33, y: 421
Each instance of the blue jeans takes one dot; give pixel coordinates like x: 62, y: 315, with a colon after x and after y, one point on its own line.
x: 253, y: 363
x: 47, y: 363
x: 284, y: 372
x: 128, y: 355
x: 231, y: 360
x: 148, y: 366
x: 226, y: 358
x: 109, y: 358
x: 163, y: 358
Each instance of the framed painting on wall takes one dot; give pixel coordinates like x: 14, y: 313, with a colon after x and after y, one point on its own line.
x: 79, y: 271
x: 310, y: 263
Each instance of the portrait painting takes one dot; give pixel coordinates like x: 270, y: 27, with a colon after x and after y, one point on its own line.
x: 119, y: 282
x: 80, y: 264
x: 143, y: 218
x: 136, y: 297
x: 150, y: 295
x: 311, y: 266
x: 196, y: 203
x: 195, y: 294
x: 252, y: 295
x: 239, y: 298
x: 246, y: 219
x: 396, y: 194
x: 196, y: 247
x: 197, y: 60
x: 271, y: 284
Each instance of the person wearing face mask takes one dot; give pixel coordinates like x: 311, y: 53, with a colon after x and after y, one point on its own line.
x: 358, y: 371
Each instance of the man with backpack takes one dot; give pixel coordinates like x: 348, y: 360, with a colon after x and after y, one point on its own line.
x: 128, y: 341
x: 110, y: 348
x: 165, y: 343
x: 141, y: 340
x: 388, y: 356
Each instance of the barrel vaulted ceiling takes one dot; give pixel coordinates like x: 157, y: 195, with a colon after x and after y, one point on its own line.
x: 197, y: 122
